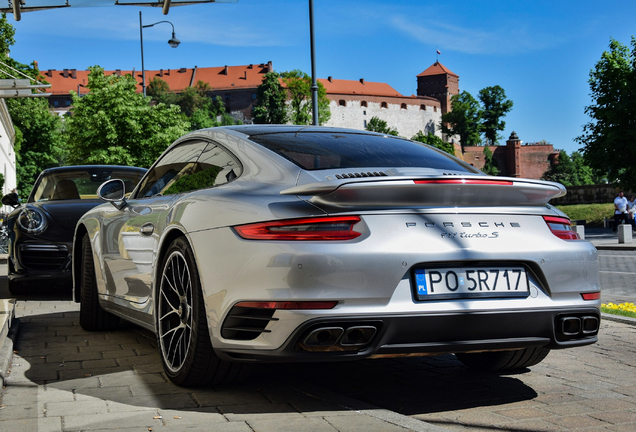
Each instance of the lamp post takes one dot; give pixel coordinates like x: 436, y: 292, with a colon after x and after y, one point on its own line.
x: 314, y: 84
x: 174, y: 42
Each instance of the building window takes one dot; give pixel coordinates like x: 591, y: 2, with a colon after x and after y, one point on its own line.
x: 253, y: 96
x: 363, y: 104
x: 55, y: 103
x: 435, y: 109
x: 423, y: 107
x: 342, y: 102
x: 67, y: 102
x: 403, y: 106
x: 384, y: 105
x: 364, y: 112
x: 365, y: 124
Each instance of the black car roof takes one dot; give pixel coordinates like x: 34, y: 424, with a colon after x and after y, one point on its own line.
x: 88, y: 167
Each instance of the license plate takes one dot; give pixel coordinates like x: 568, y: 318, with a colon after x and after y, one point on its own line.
x: 471, y: 282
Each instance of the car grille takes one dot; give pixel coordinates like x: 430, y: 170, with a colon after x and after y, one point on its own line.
x: 43, y: 256
x: 244, y: 323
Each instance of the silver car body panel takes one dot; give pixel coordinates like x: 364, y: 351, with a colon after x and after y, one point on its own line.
x: 403, y: 226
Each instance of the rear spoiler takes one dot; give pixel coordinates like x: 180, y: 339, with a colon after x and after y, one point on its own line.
x: 465, y: 191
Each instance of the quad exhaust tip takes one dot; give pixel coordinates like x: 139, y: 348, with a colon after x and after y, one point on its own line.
x: 338, y: 338
x: 578, y: 326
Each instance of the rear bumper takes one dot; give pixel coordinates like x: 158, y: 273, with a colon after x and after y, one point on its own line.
x: 437, y: 334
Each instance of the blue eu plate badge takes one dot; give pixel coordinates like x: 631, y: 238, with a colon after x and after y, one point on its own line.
x: 420, y: 280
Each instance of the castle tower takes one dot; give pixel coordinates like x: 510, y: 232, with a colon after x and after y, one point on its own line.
x: 440, y: 83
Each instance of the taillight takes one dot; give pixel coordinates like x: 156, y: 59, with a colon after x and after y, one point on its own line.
x: 464, y: 181
x: 289, y: 305
x: 561, y: 227
x: 591, y: 296
x: 321, y: 228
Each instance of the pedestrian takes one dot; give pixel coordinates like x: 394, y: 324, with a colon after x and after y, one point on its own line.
x: 620, y: 210
x: 631, y: 209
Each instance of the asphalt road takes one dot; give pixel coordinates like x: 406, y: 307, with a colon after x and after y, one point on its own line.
x: 65, y: 379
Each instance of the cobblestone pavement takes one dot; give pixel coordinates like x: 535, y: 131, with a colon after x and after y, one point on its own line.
x: 63, y: 378
x: 618, y: 276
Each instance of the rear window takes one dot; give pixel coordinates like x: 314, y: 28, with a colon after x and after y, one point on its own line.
x: 328, y: 150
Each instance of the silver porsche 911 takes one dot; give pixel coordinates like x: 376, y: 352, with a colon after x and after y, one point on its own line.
x: 284, y: 243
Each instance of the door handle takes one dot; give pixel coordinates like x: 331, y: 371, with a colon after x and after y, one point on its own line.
x: 147, y: 229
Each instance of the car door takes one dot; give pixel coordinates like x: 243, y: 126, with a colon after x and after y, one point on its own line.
x: 131, y: 235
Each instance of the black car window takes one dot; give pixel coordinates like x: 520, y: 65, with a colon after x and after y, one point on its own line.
x: 330, y: 150
x: 214, y: 167
x: 174, y: 165
x: 81, y: 183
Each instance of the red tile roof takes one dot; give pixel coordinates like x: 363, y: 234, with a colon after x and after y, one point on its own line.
x: 219, y: 78
x: 437, y: 69
x: 361, y: 87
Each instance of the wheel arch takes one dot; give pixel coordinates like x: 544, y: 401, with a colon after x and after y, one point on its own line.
x: 80, y: 232
x: 167, y: 240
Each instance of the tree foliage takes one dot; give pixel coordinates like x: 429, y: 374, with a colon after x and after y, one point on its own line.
x: 39, y: 142
x: 435, y: 141
x: 571, y: 171
x: 270, y: 101
x: 494, y: 107
x: 159, y: 91
x: 113, y: 124
x: 490, y: 165
x: 609, y: 137
x: 464, y: 119
x: 380, y: 126
x: 300, y: 107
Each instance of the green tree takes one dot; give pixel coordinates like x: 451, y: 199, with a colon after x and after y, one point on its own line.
x: 300, y: 105
x: 7, y: 36
x: 435, y: 141
x: 39, y: 142
x: 494, y: 107
x: 571, y: 171
x: 159, y: 91
x: 609, y: 138
x: 113, y: 124
x: 270, y: 101
x: 380, y: 126
x: 464, y: 119
x: 490, y: 164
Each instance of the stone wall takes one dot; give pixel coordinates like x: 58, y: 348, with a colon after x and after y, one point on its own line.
x: 407, y: 115
x: 589, y: 194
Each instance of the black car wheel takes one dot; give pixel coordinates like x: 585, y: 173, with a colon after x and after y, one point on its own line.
x: 92, y: 316
x: 182, y: 330
x: 503, y: 360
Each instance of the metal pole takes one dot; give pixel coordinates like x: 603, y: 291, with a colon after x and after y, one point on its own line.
x: 143, y: 70
x: 314, y: 84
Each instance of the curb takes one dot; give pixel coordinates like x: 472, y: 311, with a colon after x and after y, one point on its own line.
x: 618, y: 318
x: 6, y: 354
x: 615, y: 247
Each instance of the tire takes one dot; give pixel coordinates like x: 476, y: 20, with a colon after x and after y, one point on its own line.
x: 182, y: 329
x: 92, y: 316
x: 503, y: 360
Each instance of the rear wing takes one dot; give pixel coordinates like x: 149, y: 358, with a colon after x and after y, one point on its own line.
x: 400, y: 191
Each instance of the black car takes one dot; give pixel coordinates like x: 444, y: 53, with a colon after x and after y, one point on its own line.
x: 41, y: 230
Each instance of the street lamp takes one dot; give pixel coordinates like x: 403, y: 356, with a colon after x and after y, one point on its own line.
x: 174, y: 42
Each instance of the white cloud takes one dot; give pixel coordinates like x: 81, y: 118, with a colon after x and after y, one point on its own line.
x: 503, y: 41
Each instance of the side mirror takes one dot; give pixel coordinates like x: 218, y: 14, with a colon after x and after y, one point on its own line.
x: 11, y: 199
x: 114, y: 192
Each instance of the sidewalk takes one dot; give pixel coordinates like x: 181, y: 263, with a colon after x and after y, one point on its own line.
x: 606, y: 239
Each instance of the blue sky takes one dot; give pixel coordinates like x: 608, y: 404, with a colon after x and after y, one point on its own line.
x: 540, y: 52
